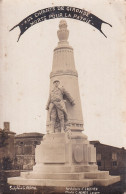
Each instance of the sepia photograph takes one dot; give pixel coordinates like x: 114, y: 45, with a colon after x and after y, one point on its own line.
x: 63, y: 97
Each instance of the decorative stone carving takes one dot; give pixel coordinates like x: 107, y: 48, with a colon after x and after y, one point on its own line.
x: 78, y: 153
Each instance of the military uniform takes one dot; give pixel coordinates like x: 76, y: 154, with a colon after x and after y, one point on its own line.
x: 56, y: 106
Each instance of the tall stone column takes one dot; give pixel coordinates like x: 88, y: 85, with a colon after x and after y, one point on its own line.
x: 63, y: 69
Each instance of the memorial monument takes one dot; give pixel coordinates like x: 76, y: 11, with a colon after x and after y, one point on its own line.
x: 65, y: 157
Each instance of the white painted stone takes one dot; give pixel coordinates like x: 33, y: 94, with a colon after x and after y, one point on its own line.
x: 63, y: 69
x: 63, y: 183
x: 91, y: 153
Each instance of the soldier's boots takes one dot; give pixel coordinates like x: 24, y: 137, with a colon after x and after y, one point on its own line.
x: 62, y: 130
x: 52, y: 128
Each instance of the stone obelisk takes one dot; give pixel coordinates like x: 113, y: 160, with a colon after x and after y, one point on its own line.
x: 63, y: 69
x: 64, y: 157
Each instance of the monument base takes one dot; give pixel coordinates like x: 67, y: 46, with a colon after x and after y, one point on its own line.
x: 65, y: 160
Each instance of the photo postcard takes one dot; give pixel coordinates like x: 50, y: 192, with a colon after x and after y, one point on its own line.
x: 63, y: 96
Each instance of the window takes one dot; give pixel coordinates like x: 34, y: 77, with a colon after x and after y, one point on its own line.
x: 114, y: 156
x: 99, y: 163
x: 114, y: 159
x: 114, y: 163
x: 21, y: 143
x: 98, y: 156
x: 27, y: 150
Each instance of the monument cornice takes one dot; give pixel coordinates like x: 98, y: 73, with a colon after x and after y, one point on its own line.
x: 63, y: 47
x: 60, y: 73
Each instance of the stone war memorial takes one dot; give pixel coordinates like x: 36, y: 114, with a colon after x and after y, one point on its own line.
x: 65, y: 158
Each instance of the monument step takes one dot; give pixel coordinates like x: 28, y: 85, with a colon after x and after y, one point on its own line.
x: 50, y: 182
x: 84, y: 168
x: 66, y: 176
x: 96, y: 175
x: 63, y: 176
x: 105, y: 182
x: 64, y: 169
x: 63, y: 183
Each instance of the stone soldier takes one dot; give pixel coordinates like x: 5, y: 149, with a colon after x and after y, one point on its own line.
x: 56, y: 105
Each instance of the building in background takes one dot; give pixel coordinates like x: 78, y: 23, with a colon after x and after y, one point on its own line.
x: 111, y: 159
x: 25, y: 150
x: 17, y: 152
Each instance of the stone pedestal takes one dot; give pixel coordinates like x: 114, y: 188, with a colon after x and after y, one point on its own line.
x: 65, y: 160
x: 60, y: 148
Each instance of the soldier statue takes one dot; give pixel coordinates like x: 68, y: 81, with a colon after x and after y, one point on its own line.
x: 56, y: 106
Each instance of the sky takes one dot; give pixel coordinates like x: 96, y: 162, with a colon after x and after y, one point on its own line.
x: 25, y: 67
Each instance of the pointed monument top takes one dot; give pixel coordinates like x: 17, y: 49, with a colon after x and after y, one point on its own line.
x: 63, y: 24
x: 63, y: 33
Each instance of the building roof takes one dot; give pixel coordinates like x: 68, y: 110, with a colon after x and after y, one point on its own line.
x: 28, y: 135
x: 96, y: 142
